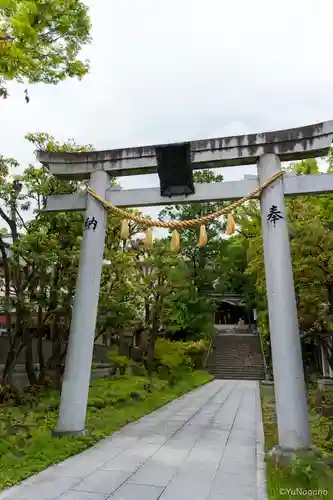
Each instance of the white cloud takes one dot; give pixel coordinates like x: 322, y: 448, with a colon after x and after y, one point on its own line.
x: 165, y: 70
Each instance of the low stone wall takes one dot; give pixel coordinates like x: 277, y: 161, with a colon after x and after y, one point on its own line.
x: 20, y: 379
x: 100, y: 351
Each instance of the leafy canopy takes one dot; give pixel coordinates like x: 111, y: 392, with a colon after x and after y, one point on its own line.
x: 311, y: 242
x: 40, y: 40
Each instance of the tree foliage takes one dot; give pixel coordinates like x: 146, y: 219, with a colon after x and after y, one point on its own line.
x: 311, y: 240
x: 217, y: 268
x: 40, y: 40
x: 40, y: 272
x: 200, y: 259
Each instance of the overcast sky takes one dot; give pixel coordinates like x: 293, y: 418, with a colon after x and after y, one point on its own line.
x: 167, y: 70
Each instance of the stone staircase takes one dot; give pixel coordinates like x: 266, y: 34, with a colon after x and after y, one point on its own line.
x: 237, y: 356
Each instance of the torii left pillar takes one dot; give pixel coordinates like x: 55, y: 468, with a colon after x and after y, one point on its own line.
x: 75, y: 386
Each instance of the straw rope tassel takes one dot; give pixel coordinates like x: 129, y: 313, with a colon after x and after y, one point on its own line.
x: 175, y: 240
x: 124, y: 230
x: 231, y: 226
x: 203, y: 238
x: 149, y: 238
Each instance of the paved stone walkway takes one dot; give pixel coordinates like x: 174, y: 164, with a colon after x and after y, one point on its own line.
x: 206, y: 445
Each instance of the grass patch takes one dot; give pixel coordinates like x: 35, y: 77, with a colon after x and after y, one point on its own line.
x: 26, y: 444
x: 306, y: 474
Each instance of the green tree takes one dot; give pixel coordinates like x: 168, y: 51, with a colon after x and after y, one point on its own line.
x: 160, y: 275
x: 40, y: 40
x: 217, y: 268
x: 121, y: 301
x: 201, y: 259
x: 310, y: 222
x: 185, y: 314
x: 311, y: 238
x: 40, y: 272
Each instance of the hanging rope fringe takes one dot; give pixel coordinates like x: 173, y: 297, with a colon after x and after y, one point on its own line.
x: 175, y: 240
x: 124, y: 230
x: 201, y: 221
x: 149, y: 238
x: 231, y: 226
x: 203, y: 238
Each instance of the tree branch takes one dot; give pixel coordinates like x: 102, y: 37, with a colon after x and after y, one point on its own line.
x: 5, y: 217
x: 21, y: 219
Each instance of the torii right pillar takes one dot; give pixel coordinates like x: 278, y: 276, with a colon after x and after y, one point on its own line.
x: 289, y: 383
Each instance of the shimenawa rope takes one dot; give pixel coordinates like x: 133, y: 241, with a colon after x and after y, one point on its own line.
x: 200, y: 221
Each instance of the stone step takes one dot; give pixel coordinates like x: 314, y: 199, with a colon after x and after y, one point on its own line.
x: 228, y: 362
x: 245, y: 370
x: 233, y: 342
x: 240, y: 376
x: 238, y: 369
x: 258, y: 371
x: 248, y: 359
x: 234, y: 369
x: 239, y: 373
x: 237, y: 356
x: 216, y: 371
x: 234, y: 346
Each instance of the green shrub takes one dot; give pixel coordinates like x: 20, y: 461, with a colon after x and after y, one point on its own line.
x: 121, y: 362
x: 306, y: 468
x: 172, y: 355
x: 138, y: 369
x: 9, y: 394
x: 197, y: 351
x: 172, y: 360
x: 108, y: 394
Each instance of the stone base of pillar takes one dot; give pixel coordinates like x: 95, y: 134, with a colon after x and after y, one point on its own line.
x: 322, y: 383
x: 284, y: 456
x: 56, y: 433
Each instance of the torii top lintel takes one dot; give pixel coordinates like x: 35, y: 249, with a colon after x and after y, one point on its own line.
x: 291, y: 145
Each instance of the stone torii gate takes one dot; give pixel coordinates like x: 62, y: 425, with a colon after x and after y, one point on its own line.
x: 266, y: 150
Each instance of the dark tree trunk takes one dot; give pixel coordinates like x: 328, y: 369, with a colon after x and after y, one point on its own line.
x: 29, y: 367
x: 147, y: 313
x: 153, y: 336
x: 7, y: 303
x: 327, y: 348
x: 151, y: 352
x: 123, y: 345
x: 40, y: 352
x: 56, y: 358
x: 9, y: 364
x: 14, y: 350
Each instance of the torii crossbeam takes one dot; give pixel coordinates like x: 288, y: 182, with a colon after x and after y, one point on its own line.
x: 267, y: 150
